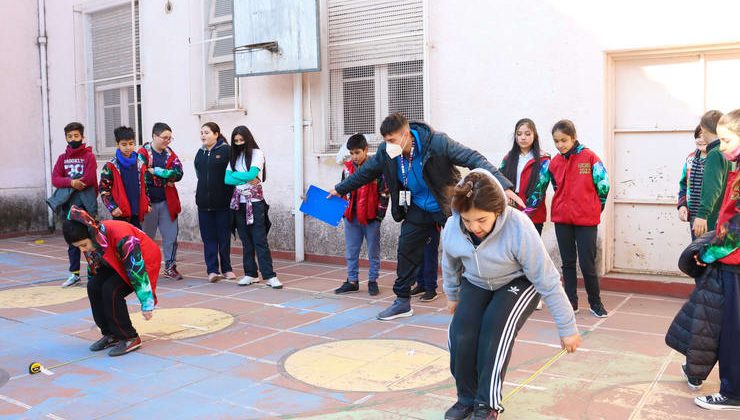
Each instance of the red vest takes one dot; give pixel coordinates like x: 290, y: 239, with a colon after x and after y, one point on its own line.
x: 119, y: 192
x: 726, y: 212
x: 115, y: 231
x: 575, y: 201
x: 363, y: 200
x: 539, y: 215
x: 170, y: 191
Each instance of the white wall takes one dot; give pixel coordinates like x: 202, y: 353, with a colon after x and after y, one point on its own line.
x: 22, y: 186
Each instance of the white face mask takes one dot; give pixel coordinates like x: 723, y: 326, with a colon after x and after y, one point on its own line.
x: 393, y: 150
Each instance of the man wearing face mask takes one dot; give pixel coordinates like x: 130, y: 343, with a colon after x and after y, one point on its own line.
x: 75, y: 177
x: 419, y: 165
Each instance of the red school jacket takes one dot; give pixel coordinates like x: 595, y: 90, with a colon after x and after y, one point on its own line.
x: 581, y: 187
x: 539, y: 214
x: 118, y: 192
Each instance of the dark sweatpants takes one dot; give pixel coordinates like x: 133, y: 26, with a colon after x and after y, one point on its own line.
x: 583, y: 239
x: 107, y: 293
x: 215, y: 231
x: 254, y: 240
x: 729, y: 339
x: 481, y: 337
x: 427, y: 277
x: 415, y: 231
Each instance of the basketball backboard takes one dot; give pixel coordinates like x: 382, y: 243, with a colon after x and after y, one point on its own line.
x: 276, y: 36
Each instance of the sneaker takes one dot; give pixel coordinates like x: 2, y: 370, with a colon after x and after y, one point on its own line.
x: 214, y: 277
x: 172, y: 273
x: 459, y: 411
x: 401, y: 308
x: 429, y: 296
x: 575, y: 308
x: 274, y: 283
x: 124, y: 347
x: 717, y: 402
x: 372, y: 288
x: 103, y: 343
x: 483, y: 412
x: 229, y: 275
x: 693, y: 383
x: 247, y: 280
x: 347, y: 287
x: 598, y: 311
x: 71, y: 280
x: 417, y: 290
x: 539, y: 305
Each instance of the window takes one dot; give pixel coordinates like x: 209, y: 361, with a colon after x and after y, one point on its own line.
x: 376, y: 66
x: 220, y: 82
x: 112, y: 67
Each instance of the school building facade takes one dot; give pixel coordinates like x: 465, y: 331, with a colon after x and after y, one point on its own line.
x: 634, y: 76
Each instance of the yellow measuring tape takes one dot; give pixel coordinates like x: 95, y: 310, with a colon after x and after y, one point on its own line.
x: 534, y: 375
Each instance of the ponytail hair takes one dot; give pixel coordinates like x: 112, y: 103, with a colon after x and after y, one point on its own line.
x: 566, y: 127
x: 477, y: 190
x: 512, y: 158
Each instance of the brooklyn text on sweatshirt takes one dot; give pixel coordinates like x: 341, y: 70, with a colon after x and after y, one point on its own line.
x: 77, y: 163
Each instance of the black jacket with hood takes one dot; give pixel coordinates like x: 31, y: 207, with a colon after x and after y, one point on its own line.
x: 212, y: 193
x: 439, y: 156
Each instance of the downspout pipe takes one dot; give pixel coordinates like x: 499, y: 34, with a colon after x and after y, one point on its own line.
x: 45, y: 122
x: 298, y: 164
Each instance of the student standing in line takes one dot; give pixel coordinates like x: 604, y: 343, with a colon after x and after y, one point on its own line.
x: 581, y: 187
x: 247, y: 172
x: 692, y: 175
x: 714, y: 178
x: 164, y: 169
x: 213, y: 197
x: 494, y: 267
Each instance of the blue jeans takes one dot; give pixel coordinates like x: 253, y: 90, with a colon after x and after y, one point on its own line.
x: 427, y: 277
x: 215, y: 231
x: 729, y: 343
x: 354, y: 233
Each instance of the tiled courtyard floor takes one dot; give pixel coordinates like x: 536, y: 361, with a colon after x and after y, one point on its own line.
x: 223, y: 351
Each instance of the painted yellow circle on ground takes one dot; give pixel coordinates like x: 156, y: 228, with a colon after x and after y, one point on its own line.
x: 370, y: 365
x: 178, y: 323
x: 34, y: 297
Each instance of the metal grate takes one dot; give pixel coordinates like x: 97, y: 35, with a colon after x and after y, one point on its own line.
x: 375, y: 51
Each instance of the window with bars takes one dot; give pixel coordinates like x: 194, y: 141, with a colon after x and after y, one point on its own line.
x: 376, y: 66
x: 220, y: 83
x: 112, y: 69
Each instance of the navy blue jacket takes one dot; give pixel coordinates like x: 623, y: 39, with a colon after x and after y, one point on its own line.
x: 210, y: 167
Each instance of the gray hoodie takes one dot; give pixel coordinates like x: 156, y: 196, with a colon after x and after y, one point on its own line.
x: 513, y: 249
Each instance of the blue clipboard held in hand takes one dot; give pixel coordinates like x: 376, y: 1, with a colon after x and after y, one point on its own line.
x: 328, y: 210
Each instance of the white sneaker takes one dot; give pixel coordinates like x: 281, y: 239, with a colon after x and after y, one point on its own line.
x: 73, y: 279
x: 247, y: 280
x: 539, y: 305
x: 274, y: 283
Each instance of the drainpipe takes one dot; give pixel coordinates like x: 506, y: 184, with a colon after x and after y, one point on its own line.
x: 298, y: 164
x: 45, y: 107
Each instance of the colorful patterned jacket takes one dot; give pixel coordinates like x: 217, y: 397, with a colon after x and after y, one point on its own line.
x: 536, y: 208
x: 724, y: 247
x: 113, y: 192
x: 126, y: 249
x: 164, y: 177
x: 581, y: 187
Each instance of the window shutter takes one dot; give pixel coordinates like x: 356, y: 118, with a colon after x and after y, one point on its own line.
x: 363, y: 32
x: 111, y: 42
x: 226, y: 88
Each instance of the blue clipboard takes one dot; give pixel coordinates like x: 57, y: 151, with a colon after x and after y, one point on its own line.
x: 328, y: 210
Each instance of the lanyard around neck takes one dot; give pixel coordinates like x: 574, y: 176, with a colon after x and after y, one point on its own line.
x: 411, y: 160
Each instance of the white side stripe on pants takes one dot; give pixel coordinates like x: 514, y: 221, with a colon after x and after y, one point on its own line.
x: 507, y: 336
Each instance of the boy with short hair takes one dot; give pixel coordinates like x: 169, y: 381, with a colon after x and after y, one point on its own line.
x: 120, y: 259
x: 122, y: 186
x: 75, y: 177
x: 164, y: 169
x: 367, y: 207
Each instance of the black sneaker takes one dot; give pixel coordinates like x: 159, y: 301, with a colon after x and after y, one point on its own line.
x: 417, y: 290
x: 484, y: 413
x: 429, y: 296
x: 347, y: 287
x: 598, y: 311
x: 372, y: 288
x: 459, y: 411
x: 717, y: 402
x: 103, y: 343
x: 124, y: 347
x: 693, y: 383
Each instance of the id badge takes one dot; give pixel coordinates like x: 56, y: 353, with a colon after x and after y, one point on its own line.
x: 404, y: 198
